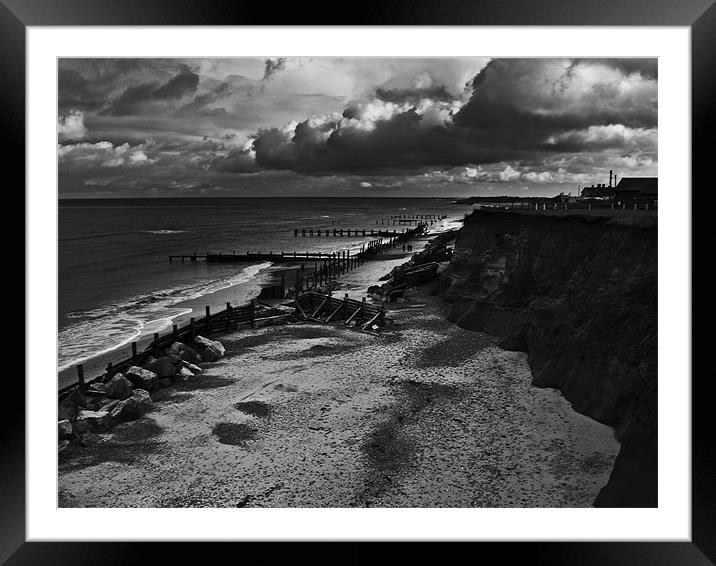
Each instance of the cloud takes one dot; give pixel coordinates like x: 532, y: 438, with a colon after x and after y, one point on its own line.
x: 615, y: 136
x: 520, y: 103
x: 91, y: 156
x: 437, y: 122
x: 414, y: 95
x: 509, y: 174
x: 273, y: 66
x: 71, y: 127
x: 182, y: 84
x: 139, y: 98
x: 518, y: 108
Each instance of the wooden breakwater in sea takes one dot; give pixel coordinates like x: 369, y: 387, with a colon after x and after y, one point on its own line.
x: 387, y: 239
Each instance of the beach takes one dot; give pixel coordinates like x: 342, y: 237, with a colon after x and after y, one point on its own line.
x: 117, y: 286
x: 426, y: 414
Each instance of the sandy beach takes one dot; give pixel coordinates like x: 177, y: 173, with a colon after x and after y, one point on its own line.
x: 308, y: 415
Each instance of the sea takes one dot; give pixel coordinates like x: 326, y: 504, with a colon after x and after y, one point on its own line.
x: 116, y: 284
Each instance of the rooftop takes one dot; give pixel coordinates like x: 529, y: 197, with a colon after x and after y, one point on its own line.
x: 643, y: 185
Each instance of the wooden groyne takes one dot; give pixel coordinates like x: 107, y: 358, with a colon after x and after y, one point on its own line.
x: 229, y: 319
x: 386, y: 239
x: 352, y: 232
x: 318, y: 307
x: 419, y: 216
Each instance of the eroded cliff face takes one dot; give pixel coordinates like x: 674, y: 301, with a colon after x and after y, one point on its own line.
x: 579, y: 295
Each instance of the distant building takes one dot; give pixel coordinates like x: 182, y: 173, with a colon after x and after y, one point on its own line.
x: 636, y: 190
x: 600, y: 190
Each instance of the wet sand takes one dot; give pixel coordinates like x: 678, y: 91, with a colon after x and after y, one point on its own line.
x: 310, y: 415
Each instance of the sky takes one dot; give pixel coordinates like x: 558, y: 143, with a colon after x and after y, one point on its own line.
x: 441, y: 127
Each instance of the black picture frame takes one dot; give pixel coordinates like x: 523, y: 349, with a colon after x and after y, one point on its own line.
x: 699, y: 15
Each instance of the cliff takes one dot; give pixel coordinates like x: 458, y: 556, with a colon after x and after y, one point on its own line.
x: 579, y: 295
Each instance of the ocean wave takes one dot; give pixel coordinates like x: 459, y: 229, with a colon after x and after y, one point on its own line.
x: 161, y: 232
x: 98, y: 331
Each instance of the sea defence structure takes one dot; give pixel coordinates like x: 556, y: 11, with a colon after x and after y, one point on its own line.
x: 578, y: 294
x: 386, y: 239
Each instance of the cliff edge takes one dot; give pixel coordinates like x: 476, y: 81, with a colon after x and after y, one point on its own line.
x: 579, y: 295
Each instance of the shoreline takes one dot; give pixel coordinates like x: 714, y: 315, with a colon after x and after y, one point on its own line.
x: 426, y: 415
x: 95, y: 365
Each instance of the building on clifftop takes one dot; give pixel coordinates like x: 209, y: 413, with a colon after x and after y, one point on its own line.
x: 600, y: 191
x: 637, y: 190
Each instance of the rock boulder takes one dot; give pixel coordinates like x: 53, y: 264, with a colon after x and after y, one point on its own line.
x: 109, y: 404
x: 185, y: 353
x: 64, y: 429
x: 133, y: 407
x: 145, y: 378
x: 96, y: 420
x: 209, y: 350
x: 70, y: 405
x: 119, y: 387
x: 162, y: 367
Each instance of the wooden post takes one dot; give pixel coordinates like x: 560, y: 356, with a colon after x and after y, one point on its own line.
x: 208, y: 321
x: 81, y: 377
x: 253, y: 313
x: 175, y: 331
x: 156, y: 344
x: 134, y: 351
x: 228, y: 316
x: 192, y: 330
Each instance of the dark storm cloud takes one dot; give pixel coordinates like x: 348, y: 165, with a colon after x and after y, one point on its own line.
x: 90, y: 84
x: 237, y: 161
x: 517, y: 108
x: 520, y: 104
x: 273, y: 66
x: 182, y: 84
x: 76, y: 92
x: 398, y: 142
x: 135, y: 97
x: 414, y: 95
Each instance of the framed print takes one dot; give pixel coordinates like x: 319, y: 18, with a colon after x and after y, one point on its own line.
x: 397, y: 280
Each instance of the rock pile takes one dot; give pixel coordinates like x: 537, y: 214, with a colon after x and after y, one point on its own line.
x: 126, y: 396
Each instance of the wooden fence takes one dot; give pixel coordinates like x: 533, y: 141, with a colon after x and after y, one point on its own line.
x: 229, y: 319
